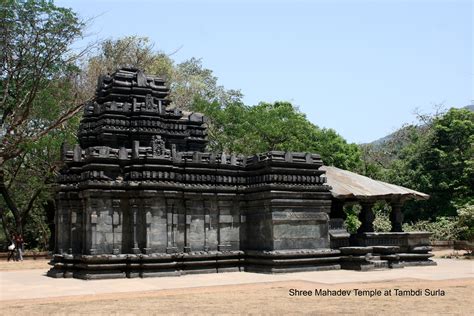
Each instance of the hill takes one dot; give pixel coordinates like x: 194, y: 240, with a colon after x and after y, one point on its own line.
x: 379, y: 142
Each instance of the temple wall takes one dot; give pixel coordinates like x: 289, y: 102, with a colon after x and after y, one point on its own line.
x: 155, y: 221
x: 62, y: 221
x: 283, y: 220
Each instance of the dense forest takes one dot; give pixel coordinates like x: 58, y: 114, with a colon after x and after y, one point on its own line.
x: 44, y: 83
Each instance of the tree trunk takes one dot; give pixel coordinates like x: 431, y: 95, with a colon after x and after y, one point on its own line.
x: 11, y: 204
x: 50, y: 209
x: 6, y: 231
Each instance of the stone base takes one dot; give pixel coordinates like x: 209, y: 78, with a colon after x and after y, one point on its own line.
x: 399, y: 249
x: 163, y: 264
x: 360, y: 258
x: 405, y: 241
x: 91, y: 267
x: 358, y: 266
x: 284, y: 261
x: 291, y: 269
x: 423, y: 263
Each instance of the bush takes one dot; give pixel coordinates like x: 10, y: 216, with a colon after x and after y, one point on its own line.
x: 382, y: 217
x: 382, y: 222
x: 444, y: 228
x: 459, y: 227
x: 466, y: 222
x: 352, y: 222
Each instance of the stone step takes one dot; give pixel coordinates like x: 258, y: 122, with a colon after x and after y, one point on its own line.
x: 358, y: 251
x: 385, y: 250
x: 380, y: 264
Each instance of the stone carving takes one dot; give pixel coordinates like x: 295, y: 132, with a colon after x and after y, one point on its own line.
x: 158, y: 146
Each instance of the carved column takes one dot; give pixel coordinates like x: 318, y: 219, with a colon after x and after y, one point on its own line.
x: 116, y: 222
x: 148, y: 221
x: 171, y: 226
x: 134, y: 209
x: 207, y: 224
x: 72, y: 221
x: 396, y: 216
x: 187, y: 247
x: 366, y: 217
x: 93, y: 222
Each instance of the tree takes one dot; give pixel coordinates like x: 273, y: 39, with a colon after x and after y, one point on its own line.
x: 448, y: 161
x: 242, y: 129
x: 438, y: 159
x: 188, y: 80
x: 38, y: 86
x: 129, y: 51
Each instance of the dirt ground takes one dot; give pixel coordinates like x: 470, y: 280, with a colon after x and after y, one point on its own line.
x: 266, y: 298
x: 25, y: 264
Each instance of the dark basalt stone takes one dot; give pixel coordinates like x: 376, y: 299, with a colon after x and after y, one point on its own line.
x: 356, y: 250
x: 140, y: 197
x: 385, y: 250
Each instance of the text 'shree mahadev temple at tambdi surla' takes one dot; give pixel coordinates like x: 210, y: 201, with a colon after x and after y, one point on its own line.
x: 139, y: 196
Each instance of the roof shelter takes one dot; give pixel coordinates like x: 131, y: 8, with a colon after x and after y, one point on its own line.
x: 348, y: 186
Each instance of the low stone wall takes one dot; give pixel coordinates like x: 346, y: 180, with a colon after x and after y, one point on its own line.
x: 464, y: 245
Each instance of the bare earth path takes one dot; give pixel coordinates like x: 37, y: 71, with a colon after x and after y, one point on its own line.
x: 28, y: 292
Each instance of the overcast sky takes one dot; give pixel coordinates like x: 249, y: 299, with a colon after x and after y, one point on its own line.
x: 359, y: 67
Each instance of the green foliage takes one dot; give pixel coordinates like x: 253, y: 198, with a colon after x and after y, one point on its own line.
x: 466, y: 222
x: 436, y: 157
x: 459, y: 227
x: 188, y: 80
x: 443, y: 228
x: 352, y: 221
x: 233, y: 126
x: 242, y: 129
x: 381, y: 223
x: 382, y: 217
x: 36, y: 67
x: 39, y: 101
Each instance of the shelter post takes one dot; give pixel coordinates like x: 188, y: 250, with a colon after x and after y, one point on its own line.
x: 396, y: 216
x: 337, y: 209
x: 366, y: 217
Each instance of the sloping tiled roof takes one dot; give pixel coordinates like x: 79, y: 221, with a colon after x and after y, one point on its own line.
x: 349, y: 185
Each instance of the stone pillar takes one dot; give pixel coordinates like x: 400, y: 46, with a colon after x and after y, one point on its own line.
x: 72, y: 227
x: 134, y: 209
x: 148, y: 221
x: 93, y: 235
x: 366, y: 217
x: 396, y: 216
x: 116, y: 227
x: 337, y: 209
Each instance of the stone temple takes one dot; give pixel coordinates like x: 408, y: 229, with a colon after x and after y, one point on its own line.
x: 139, y: 196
